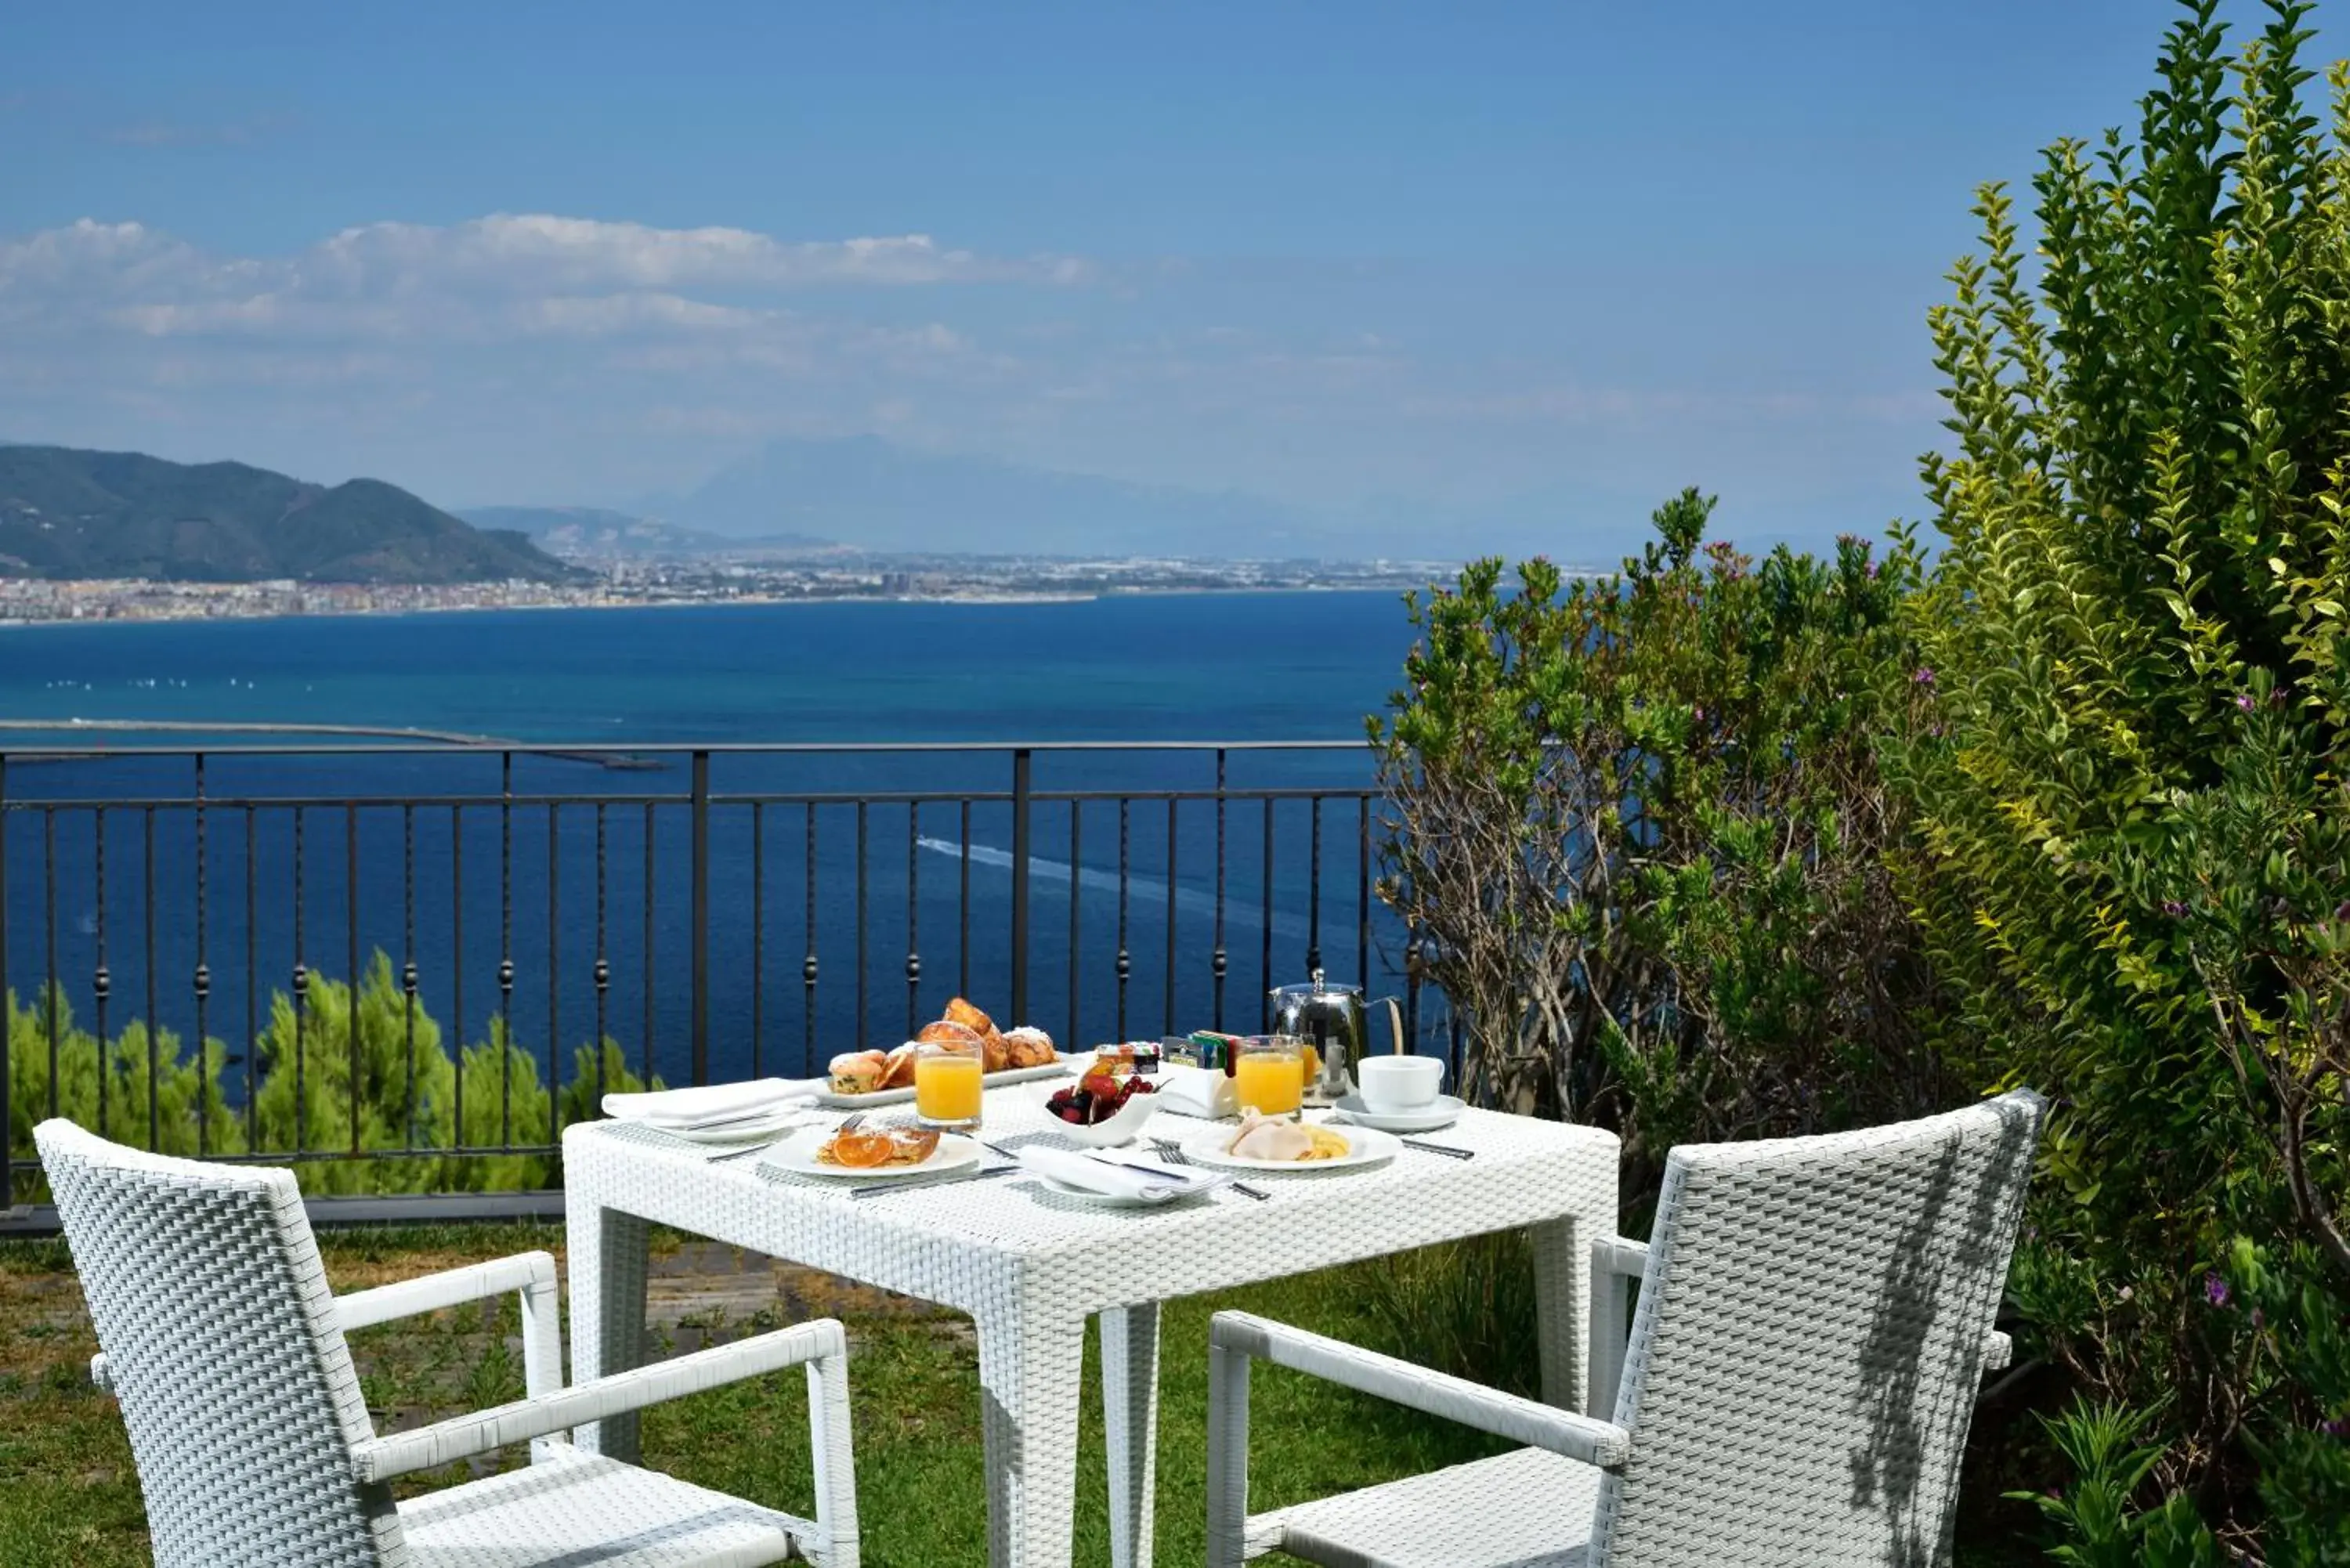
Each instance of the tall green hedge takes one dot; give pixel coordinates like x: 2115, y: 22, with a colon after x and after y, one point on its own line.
x: 2133, y: 857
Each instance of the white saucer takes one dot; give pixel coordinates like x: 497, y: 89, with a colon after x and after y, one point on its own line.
x: 1441, y: 1112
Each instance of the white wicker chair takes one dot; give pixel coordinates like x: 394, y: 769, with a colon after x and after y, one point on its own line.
x: 225, y: 1348
x: 1814, y: 1316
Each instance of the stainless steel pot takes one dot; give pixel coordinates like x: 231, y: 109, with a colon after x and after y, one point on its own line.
x: 1333, y: 1017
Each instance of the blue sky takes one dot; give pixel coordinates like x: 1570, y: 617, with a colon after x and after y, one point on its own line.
x: 1508, y: 274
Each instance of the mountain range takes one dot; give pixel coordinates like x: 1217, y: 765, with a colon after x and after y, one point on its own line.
x: 65, y: 513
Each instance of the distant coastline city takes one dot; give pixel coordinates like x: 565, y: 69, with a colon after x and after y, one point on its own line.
x: 626, y: 584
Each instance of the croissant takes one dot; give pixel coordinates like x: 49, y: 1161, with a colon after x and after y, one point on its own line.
x: 962, y: 1011
x: 1027, y: 1047
x: 900, y: 1065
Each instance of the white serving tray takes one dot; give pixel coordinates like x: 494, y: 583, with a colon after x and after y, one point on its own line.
x: 1060, y: 1068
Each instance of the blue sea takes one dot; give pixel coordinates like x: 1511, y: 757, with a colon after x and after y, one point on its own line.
x: 368, y: 853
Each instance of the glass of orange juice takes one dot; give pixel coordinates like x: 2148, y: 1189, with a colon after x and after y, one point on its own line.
x: 947, y: 1079
x: 1269, y: 1074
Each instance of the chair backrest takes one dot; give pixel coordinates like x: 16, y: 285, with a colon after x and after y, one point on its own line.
x: 220, y: 1341
x: 1810, y: 1337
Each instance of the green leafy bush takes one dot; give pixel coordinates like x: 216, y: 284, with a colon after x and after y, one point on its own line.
x: 2128, y: 771
x: 1636, y: 832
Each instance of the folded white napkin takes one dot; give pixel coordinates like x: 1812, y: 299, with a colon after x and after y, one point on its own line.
x: 1112, y: 1179
x: 711, y: 1105
x: 1197, y: 1091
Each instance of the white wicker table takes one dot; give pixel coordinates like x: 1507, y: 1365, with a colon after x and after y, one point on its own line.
x: 1031, y: 1266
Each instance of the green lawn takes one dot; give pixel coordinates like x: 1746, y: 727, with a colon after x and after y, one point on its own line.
x: 69, y: 1493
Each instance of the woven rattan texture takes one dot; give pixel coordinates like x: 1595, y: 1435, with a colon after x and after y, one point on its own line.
x: 1809, y: 1345
x: 219, y: 1331
x: 578, y: 1509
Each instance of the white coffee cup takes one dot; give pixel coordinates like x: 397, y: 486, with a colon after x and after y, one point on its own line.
x: 1392, y: 1085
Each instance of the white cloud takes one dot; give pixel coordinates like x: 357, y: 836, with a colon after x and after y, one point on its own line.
x: 530, y: 275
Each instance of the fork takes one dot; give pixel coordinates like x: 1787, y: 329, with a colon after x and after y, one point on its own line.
x: 1172, y: 1153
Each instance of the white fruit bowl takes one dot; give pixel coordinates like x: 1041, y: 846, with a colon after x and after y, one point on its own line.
x: 1120, y: 1128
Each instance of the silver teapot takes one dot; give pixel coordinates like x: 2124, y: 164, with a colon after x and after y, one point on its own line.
x: 1332, y: 1017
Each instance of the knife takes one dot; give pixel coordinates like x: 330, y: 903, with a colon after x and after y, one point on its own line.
x: 1189, y: 1177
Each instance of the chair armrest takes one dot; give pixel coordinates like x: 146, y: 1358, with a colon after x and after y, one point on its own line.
x: 414, y: 1298
x: 530, y: 1274
x: 1418, y: 1388
x: 461, y: 1436
x: 1620, y: 1256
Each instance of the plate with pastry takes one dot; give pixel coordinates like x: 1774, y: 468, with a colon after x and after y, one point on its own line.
x: 861, y: 1078
x: 872, y: 1153
x: 1278, y: 1143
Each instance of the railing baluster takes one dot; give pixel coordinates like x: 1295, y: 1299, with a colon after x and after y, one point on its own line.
x: 1363, y: 895
x: 858, y: 978
x: 457, y: 966
x: 301, y: 1001
x: 807, y: 963
x: 1170, y: 915
x: 1314, y: 893
x: 154, y: 1020
x: 758, y: 938
x: 1265, y: 955
x: 603, y: 972
x: 701, y: 959
x: 1077, y: 943
x: 49, y: 898
x: 202, y: 980
x: 1220, y: 960
x: 913, y: 915
x: 502, y: 1034
x: 1021, y: 764
x: 407, y: 958
x: 1125, y: 899
x: 101, y: 983
x: 252, y: 989
x: 963, y: 974
x: 351, y: 911
x: 646, y: 1047
x: 553, y: 973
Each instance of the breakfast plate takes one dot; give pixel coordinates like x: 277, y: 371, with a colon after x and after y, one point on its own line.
x: 1441, y: 1112
x: 1366, y: 1145
x: 798, y: 1155
x: 827, y: 1096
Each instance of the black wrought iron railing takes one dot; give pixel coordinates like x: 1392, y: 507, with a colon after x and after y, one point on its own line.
x: 414, y: 964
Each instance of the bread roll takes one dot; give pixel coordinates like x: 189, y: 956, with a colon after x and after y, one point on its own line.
x: 857, y: 1072
x: 962, y: 1011
x: 946, y: 1031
